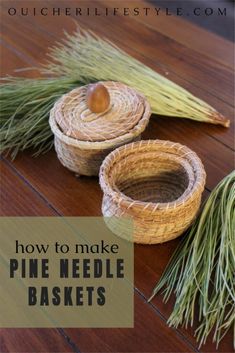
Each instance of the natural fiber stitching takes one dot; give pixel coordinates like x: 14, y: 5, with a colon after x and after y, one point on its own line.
x: 86, y: 156
x: 153, y: 222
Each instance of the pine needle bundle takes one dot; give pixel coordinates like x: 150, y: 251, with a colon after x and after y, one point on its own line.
x: 84, y: 54
x: 201, y: 272
x: 79, y: 59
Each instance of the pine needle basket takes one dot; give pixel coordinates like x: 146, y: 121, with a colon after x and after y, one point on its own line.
x: 156, y: 183
x: 82, y: 139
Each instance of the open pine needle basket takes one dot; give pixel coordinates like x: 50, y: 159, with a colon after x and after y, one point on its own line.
x: 156, y: 183
x: 83, y: 138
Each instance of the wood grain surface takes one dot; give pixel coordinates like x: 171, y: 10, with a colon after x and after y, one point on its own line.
x: 198, y: 60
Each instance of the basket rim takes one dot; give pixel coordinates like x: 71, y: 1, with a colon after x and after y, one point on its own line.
x: 123, y: 200
x: 105, y: 144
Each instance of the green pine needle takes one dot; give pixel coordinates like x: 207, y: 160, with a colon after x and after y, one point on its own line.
x: 84, y: 54
x: 24, y: 109
x: 201, y: 272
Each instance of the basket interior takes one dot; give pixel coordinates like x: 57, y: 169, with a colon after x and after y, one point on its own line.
x: 160, y: 180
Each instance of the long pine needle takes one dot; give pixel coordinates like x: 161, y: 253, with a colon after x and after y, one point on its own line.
x: 84, y: 54
x: 24, y: 109
x: 201, y: 272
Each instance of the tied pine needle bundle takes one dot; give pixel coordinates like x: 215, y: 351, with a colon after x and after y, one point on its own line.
x: 201, y: 272
x: 84, y: 54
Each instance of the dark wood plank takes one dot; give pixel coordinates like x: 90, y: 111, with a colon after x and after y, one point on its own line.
x: 148, y: 335
x: 12, y: 61
x: 33, y: 340
x: 214, y: 47
x: 17, y: 198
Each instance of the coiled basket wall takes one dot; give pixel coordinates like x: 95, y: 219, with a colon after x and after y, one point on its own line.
x: 156, y: 183
x: 82, y: 139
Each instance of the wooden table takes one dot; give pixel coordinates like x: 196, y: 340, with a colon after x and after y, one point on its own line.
x: 192, y: 57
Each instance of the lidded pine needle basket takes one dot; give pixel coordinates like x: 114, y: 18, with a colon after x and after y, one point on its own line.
x: 156, y: 183
x: 83, y: 138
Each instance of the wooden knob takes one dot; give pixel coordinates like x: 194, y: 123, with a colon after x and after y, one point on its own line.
x: 97, y: 98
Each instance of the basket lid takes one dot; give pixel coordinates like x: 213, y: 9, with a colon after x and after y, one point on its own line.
x: 126, y: 108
